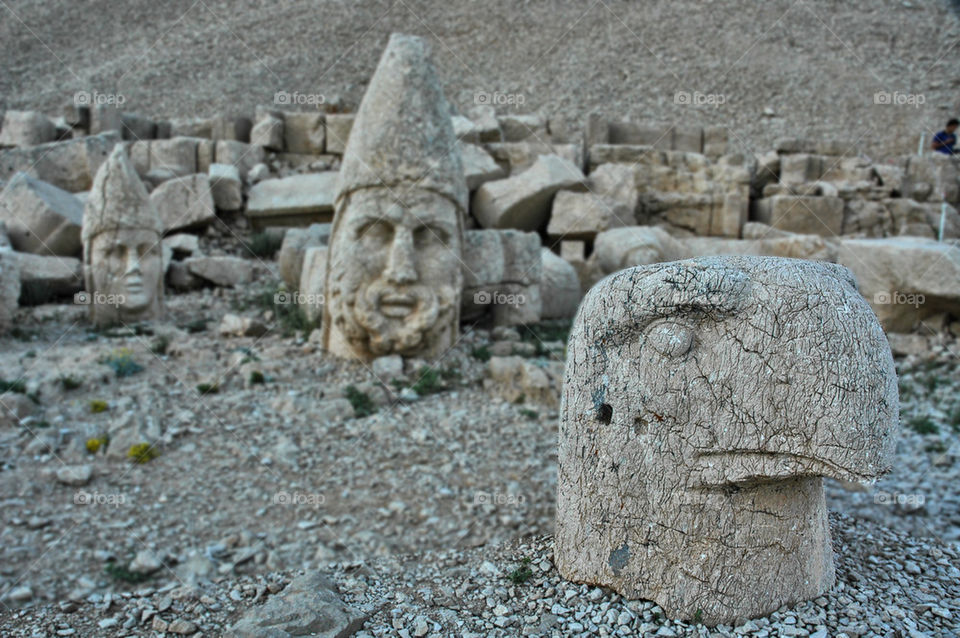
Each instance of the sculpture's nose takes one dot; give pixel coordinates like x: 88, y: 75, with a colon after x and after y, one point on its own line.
x: 401, y: 264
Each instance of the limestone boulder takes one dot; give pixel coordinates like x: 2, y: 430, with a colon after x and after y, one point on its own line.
x: 26, y: 128
x: 294, y: 200
x: 9, y: 288
x: 517, y: 157
x: 802, y: 214
x: 184, y: 203
x: 226, y: 186
x: 310, y: 296
x: 295, y: 243
x: 224, y: 271
x: 244, y: 156
x: 41, y: 218
x: 304, y: 133
x: 516, y: 379
x: 478, y: 166
x: 559, y: 287
x: 338, y: 126
x: 45, y: 278
x: 268, y: 130
x: 584, y: 215
x: 69, y: 165
x: 621, y: 248
x: 523, y: 201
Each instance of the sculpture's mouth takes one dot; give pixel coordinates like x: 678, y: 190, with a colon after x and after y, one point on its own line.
x: 742, y: 467
x: 397, y: 306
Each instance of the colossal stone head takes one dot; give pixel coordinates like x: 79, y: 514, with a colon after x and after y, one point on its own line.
x: 703, y: 401
x: 394, y: 273
x: 123, y: 265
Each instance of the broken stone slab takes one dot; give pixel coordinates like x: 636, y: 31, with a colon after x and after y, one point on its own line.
x: 295, y: 243
x: 41, y: 218
x: 75, y: 475
x: 69, y: 165
x: 137, y: 127
x: 292, y: 201
x: 666, y: 509
x: 800, y: 214
x: 517, y: 128
x: 225, y: 271
x: 309, y: 606
x: 26, y: 128
x: 244, y: 156
x: 338, y: 127
x: 478, y: 166
x: 559, y: 287
x: 9, y: 288
x: 178, y: 154
x: 800, y: 168
x: 226, y: 186
x: 311, y: 294
x: 523, y: 201
x: 268, y: 129
x: 45, y: 278
x: 304, y: 133
x: 584, y: 215
x: 184, y: 203
x: 517, y: 157
x: 513, y: 378
x: 652, y: 134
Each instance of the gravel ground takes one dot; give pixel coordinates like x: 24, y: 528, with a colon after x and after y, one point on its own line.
x: 800, y: 68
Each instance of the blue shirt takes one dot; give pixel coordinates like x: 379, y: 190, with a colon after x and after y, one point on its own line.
x: 948, y: 140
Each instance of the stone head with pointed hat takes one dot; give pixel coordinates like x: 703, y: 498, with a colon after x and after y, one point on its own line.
x: 123, y: 265
x: 394, y: 273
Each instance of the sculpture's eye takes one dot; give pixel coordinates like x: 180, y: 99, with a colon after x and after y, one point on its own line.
x: 426, y: 236
x: 605, y: 413
x: 376, y: 231
x: 669, y: 338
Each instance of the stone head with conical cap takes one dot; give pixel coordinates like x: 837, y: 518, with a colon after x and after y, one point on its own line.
x: 123, y: 269
x: 393, y: 276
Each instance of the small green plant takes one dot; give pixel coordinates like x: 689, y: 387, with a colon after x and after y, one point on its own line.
x: 433, y: 380
x: 122, y: 363
x: 530, y: 414
x: 937, y: 447
x: 98, y: 405
x: 208, y: 388
x: 522, y: 573
x: 520, y: 400
x: 160, y: 345
x: 17, y: 386
x: 953, y: 418
x: 257, y: 378
x: 481, y: 353
x: 362, y: 403
x: 923, y: 425
x: 69, y: 382
x: 698, y: 617
x: 930, y: 383
x: 264, y: 245
x: 96, y: 444
x: 141, y: 453
x: 195, y: 326
x: 122, y: 574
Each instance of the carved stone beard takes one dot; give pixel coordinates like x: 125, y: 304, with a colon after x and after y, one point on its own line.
x: 358, y: 313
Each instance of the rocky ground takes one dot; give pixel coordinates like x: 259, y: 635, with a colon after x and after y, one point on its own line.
x: 417, y: 488
x: 807, y: 68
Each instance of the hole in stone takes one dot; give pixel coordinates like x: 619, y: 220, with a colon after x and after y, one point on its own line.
x: 640, y: 425
x: 605, y: 413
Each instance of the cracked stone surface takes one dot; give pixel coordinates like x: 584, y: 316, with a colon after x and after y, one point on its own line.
x: 703, y: 401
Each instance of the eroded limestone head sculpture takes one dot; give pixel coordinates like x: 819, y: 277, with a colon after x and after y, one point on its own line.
x: 123, y: 264
x: 394, y: 273
x: 703, y: 402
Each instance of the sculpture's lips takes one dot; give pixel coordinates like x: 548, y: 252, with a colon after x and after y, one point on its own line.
x: 134, y: 285
x: 397, y: 305
x: 731, y: 467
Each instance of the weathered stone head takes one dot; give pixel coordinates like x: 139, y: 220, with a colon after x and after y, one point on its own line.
x: 394, y: 275
x: 123, y: 265
x: 703, y: 401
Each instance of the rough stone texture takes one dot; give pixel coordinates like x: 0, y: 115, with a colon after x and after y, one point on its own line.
x: 44, y: 278
x: 515, y: 379
x: 26, y: 128
x: 801, y: 214
x: 624, y: 247
x: 9, y: 288
x: 221, y: 270
x: 394, y: 279
x: 559, y: 287
x: 478, y: 166
x: 338, y: 129
x: 584, y: 215
x: 308, y: 606
x: 310, y: 295
x: 184, y: 203
x: 70, y: 165
x: 295, y: 243
x: 268, y: 130
x: 905, y: 279
x: 304, y: 133
x: 523, y: 201
x: 291, y: 201
x: 122, y: 256
x: 226, y: 186
x: 232, y: 325
x: 243, y: 156
x: 932, y: 177
x: 41, y: 218
x: 702, y: 402
x: 517, y: 157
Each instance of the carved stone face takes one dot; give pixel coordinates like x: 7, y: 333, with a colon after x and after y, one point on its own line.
x: 394, y: 274
x: 126, y: 273
x: 702, y: 403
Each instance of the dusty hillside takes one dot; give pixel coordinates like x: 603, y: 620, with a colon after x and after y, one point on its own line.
x: 817, y: 65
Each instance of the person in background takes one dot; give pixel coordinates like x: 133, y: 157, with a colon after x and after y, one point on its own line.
x: 945, y: 141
